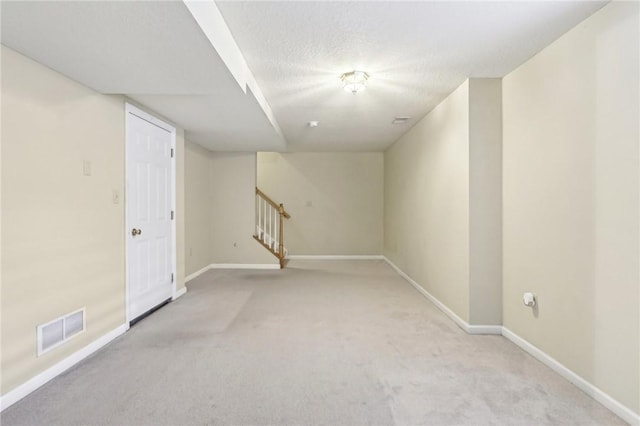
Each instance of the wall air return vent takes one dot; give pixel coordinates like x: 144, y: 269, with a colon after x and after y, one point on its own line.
x: 58, y: 331
x: 401, y: 119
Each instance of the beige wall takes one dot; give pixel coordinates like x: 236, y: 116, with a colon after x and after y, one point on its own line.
x: 485, y: 201
x: 571, y: 200
x: 62, y: 234
x: 233, y: 186
x: 426, y: 205
x: 443, y: 202
x: 198, y: 207
x: 63, y: 240
x: 219, y: 193
x: 335, y: 200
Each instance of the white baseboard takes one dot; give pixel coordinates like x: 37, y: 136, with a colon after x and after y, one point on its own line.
x: 484, y: 329
x: 34, y: 383
x: 613, y: 405
x: 244, y: 266
x: 335, y: 257
x: 468, y: 328
x: 197, y: 273
x: 603, y: 398
x: 231, y: 266
x: 179, y: 293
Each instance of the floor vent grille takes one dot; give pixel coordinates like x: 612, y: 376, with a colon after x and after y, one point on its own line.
x: 58, y: 331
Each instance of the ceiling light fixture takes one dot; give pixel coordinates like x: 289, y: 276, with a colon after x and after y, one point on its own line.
x: 354, y: 81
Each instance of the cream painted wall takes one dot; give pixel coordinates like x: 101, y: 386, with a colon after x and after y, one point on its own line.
x: 233, y: 185
x: 571, y: 200
x: 443, y: 202
x: 63, y: 240
x: 426, y: 205
x: 485, y: 201
x: 62, y: 235
x: 199, y: 211
x: 335, y: 200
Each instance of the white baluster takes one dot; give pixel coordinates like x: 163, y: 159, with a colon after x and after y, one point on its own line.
x: 270, y: 223
x: 273, y: 225
x: 264, y: 221
x: 275, y: 234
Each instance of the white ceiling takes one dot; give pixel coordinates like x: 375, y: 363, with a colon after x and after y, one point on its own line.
x: 417, y: 53
x: 162, y: 55
x: 153, y: 52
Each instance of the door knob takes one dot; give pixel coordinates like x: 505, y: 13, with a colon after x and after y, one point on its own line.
x: 135, y: 232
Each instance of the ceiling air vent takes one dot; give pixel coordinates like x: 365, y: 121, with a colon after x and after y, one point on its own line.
x: 400, y: 120
x: 57, y: 331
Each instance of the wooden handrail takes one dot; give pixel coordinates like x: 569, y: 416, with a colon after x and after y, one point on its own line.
x: 275, y: 205
x: 266, y: 227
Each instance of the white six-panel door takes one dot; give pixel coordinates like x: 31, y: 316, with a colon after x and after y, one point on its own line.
x: 149, y: 179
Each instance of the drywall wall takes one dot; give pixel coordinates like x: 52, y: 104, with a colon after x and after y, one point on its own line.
x: 485, y: 201
x: 63, y: 230
x: 233, y: 186
x: 198, y: 207
x: 62, y: 235
x: 443, y: 202
x: 571, y: 200
x: 426, y: 205
x: 335, y: 200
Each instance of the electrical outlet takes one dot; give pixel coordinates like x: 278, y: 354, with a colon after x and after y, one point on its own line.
x: 529, y: 299
x: 116, y: 196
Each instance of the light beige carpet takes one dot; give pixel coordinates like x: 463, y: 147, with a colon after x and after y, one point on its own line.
x: 321, y: 342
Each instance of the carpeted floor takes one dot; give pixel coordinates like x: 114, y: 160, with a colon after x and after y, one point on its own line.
x: 321, y: 342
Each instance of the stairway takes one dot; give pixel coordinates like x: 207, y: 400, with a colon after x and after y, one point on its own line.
x: 270, y: 225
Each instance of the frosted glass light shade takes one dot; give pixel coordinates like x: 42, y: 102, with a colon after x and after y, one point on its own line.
x: 354, y: 81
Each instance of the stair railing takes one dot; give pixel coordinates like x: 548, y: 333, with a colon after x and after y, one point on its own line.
x: 269, y: 225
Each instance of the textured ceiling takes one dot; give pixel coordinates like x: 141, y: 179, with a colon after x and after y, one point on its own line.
x: 153, y: 52
x: 416, y: 53
x: 164, y: 56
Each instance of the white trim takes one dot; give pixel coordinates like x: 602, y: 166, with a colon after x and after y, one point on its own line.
x: 179, y: 293
x: 34, y: 383
x: 484, y: 329
x: 135, y: 111
x: 132, y: 109
x: 174, y: 209
x: 470, y: 329
x: 197, y: 273
x: 603, y: 398
x: 334, y: 257
x: 231, y: 266
x: 459, y: 321
x: 244, y: 266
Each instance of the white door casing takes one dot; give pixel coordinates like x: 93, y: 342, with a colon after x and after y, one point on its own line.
x: 150, y: 203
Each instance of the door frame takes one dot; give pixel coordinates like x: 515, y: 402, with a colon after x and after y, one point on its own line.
x: 133, y: 110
